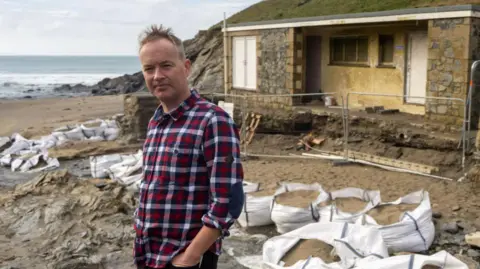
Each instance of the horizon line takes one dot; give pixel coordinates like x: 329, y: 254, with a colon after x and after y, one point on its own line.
x: 75, y: 55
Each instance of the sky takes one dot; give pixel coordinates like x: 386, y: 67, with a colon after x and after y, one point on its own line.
x: 101, y: 27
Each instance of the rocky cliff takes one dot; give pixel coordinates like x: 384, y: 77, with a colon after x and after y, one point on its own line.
x: 205, y: 50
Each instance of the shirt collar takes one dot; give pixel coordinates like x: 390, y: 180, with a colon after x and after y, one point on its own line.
x: 176, y: 113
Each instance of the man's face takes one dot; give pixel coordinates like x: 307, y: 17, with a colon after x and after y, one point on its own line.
x: 164, y: 71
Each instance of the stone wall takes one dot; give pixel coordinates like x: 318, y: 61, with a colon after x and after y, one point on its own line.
x: 475, y: 56
x: 448, y: 68
x: 272, y: 68
x: 279, y: 67
x: 138, y: 109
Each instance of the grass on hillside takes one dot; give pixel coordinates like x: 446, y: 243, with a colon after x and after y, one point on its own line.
x: 282, y: 9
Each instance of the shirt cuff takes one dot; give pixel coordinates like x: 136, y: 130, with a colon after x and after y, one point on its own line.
x: 213, y: 223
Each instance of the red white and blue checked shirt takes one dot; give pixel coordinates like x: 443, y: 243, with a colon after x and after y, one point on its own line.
x: 193, y: 176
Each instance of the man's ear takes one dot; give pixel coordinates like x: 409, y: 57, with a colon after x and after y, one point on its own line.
x: 188, y: 67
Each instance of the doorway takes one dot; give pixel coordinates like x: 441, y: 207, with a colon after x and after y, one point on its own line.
x: 416, y: 85
x: 313, y: 67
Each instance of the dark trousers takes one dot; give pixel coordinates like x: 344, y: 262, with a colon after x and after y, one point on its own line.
x: 209, y: 261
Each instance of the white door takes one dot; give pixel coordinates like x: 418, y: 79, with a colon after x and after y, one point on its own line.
x: 417, y: 68
x: 251, y: 57
x: 238, y: 48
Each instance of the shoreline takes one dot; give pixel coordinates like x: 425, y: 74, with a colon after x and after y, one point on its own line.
x: 111, y: 85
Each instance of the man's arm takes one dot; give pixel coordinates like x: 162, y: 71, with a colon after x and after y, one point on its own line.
x: 222, y: 155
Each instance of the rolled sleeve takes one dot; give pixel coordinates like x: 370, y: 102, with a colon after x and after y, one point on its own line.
x: 222, y: 155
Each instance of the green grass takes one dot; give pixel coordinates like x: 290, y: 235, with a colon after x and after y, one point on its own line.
x: 282, y: 9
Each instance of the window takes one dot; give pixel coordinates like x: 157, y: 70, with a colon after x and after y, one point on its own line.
x: 385, y: 46
x: 349, y: 50
x: 244, y: 62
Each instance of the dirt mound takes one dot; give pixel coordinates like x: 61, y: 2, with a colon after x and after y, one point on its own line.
x: 300, y: 198
x: 305, y: 248
x: 390, y: 214
x: 58, y: 221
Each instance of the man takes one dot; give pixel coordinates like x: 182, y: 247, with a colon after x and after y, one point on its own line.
x: 192, y: 188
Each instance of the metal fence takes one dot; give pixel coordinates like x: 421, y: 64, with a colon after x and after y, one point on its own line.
x: 243, y: 99
x: 463, y: 135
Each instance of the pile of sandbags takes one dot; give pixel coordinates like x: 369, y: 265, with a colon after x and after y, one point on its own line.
x: 28, y: 155
x: 440, y: 260
x: 347, y: 205
x: 344, y: 246
x: 295, y: 205
x: 406, y: 223
x: 125, y: 169
x: 324, y: 245
x: 256, y: 206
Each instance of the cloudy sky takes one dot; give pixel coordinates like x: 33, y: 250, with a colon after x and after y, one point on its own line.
x: 93, y: 27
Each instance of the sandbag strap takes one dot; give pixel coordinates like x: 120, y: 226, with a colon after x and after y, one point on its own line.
x: 307, y: 262
x: 418, y: 230
x: 356, y: 252
x: 245, y: 207
x: 344, y: 230
x: 410, y: 263
x: 314, y: 216
x: 83, y: 132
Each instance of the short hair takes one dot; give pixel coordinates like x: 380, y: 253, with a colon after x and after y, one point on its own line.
x: 154, y: 32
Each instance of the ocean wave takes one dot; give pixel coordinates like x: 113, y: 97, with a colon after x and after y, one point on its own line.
x: 38, y: 80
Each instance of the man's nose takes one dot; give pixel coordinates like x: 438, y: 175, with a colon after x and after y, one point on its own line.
x: 158, y: 74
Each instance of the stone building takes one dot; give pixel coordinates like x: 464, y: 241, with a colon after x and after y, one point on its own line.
x: 411, y: 53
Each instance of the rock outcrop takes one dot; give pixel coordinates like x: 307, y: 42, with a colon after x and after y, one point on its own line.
x: 206, y: 53
x: 119, y: 85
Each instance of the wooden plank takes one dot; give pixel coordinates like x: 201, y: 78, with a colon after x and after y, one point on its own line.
x: 393, y: 162
x: 255, y: 123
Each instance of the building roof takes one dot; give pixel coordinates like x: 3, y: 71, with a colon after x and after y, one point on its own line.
x: 412, y: 14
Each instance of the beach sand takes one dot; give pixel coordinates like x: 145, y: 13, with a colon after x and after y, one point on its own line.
x: 36, y: 117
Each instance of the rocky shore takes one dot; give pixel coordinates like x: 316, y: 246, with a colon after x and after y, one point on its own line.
x: 108, y: 86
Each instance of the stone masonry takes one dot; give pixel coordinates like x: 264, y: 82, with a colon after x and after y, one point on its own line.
x: 138, y: 110
x: 279, y: 68
x: 448, y: 68
x: 475, y: 56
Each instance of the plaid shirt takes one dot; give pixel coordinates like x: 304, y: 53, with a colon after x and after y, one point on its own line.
x: 193, y: 176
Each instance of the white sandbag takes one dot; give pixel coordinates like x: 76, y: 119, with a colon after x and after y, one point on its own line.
x: 50, y: 163
x: 6, y: 160
x: 256, y: 209
x: 75, y: 134
x: 19, y: 144
x: 332, y: 213
x: 111, y: 134
x: 92, y: 131
x: 414, y: 231
x: 288, y: 218
x: 100, y: 164
x: 250, y: 187
x: 96, y: 138
x: 350, y: 243
x: 45, y: 142
x: 441, y: 259
x: 131, y: 180
x: 129, y: 165
x: 110, y: 124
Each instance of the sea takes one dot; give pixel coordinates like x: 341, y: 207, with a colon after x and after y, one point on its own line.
x: 37, y: 76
